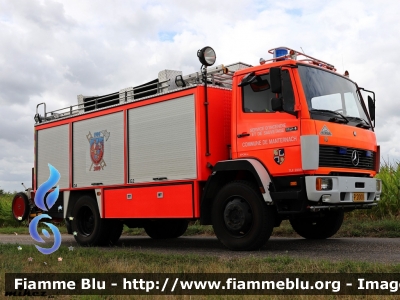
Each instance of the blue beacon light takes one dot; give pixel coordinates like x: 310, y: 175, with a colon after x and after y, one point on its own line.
x: 279, y: 52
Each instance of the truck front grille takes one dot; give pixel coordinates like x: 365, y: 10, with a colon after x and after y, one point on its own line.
x: 329, y: 156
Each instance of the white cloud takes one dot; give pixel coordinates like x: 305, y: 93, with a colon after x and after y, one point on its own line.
x: 53, y: 50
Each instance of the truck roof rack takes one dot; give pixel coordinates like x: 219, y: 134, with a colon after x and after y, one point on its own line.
x: 293, y: 54
x: 218, y: 76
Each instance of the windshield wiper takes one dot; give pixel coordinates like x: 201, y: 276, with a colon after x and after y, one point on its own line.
x: 332, y: 112
x: 362, y: 124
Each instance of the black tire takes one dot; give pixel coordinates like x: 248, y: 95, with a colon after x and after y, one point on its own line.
x: 240, y: 217
x: 20, y: 207
x: 318, y: 228
x: 115, y: 228
x: 166, y: 229
x: 181, y: 228
x: 87, y: 226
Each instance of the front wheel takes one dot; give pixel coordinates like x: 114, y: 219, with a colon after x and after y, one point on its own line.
x: 318, y: 228
x: 240, y: 217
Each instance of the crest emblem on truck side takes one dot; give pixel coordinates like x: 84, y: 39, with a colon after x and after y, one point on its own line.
x: 279, y: 156
x: 96, y: 144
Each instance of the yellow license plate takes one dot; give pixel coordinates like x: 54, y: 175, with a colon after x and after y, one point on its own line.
x: 358, y: 197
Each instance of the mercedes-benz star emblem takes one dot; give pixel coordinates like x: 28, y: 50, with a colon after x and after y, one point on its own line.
x: 355, y: 159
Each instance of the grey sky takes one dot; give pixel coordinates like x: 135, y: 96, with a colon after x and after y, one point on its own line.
x: 54, y: 50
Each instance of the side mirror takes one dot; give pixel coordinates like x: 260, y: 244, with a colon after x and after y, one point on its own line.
x: 371, y: 108
x: 275, y: 80
x: 277, y: 104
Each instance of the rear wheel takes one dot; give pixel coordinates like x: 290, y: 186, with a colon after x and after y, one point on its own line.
x: 318, y: 228
x: 91, y: 230
x: 166, y: 229
x: 115, y: 228
x: 240, y: 217
x: 20, y: 207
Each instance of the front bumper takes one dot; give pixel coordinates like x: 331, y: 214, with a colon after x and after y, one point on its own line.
x: 344, y: 190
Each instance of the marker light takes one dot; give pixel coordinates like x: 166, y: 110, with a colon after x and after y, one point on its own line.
x: 207, y: 56
x: 293, y: 54
x: 38, y: 118
x: 378, y: 185
x: 323, y: 184
x: 179, y: 81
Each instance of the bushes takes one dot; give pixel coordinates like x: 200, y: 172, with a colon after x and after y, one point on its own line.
x: 389, y: 205
x: 6, y: 218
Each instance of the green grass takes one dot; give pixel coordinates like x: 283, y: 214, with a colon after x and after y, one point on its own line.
x: 125, y: 260
x: 121, y: 260
x: 6, y: 218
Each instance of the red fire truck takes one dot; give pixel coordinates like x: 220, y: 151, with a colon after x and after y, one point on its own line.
x: 240, y: 147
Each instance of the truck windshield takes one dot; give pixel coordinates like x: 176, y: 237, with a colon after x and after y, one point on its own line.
x: 326, y: 92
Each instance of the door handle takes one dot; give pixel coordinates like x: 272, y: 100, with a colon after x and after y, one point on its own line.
x: 243, y: 134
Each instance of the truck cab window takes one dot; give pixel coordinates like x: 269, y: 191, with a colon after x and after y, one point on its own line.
x: 257, y: 96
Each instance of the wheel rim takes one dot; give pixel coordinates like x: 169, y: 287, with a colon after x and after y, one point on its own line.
x: 238, y: 217
x: 18, y: 207
x: 86, y: 221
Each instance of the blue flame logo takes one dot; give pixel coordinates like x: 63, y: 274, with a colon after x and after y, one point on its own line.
x: 40, y: 202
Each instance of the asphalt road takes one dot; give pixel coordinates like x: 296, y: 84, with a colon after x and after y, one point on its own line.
x: 384, y: 250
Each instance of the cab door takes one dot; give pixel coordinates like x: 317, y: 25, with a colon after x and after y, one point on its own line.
x: 272, y: 137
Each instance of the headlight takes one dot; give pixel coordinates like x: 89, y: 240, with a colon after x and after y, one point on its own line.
x: 323, y: 184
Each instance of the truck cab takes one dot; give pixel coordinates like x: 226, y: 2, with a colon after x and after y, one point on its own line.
x: 309, y: 128
x: 314, y: 123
